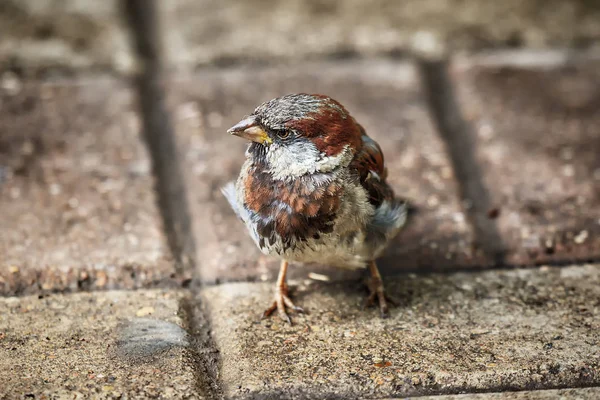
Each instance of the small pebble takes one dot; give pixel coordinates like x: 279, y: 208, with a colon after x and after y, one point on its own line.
x: 568, y: 170
x: 145, y: 311
x: 433, y: 201
x: 318, y: 277
x: 581, y: 237
x: 55, y: 189
x: 11, y: 83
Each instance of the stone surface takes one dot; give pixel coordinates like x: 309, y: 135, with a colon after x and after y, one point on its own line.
x: 204, y: 32
x: 63, y: 34
x: 383, y: 96
x: 562, y: 394
x: 112, y: 344
x: 536, y: 133
x: 76, y: 190
x: 86, y: 35
x: 464, y: 332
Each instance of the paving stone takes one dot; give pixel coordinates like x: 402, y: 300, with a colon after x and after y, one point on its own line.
x: 204, y: 31
x: 384, y: 96
x: 113, y: 344
x: 562, y: 394
x: 76, y: 191
x: 452, y: 333
x: 536, y: 133
x: 71, y: 34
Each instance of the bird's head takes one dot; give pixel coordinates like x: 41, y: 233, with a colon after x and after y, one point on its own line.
x: 298, y: 134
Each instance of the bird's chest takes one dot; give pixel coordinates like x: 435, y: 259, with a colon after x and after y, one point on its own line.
x: 309, y: 219
x: 291, y: 210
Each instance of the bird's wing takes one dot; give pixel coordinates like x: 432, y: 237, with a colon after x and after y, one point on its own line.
x: 390, y: 212
x: 369, y: 164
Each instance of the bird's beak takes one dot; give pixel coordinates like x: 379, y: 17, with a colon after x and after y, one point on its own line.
x: 248, y: 128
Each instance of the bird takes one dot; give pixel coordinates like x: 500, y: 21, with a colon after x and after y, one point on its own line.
x: 313, y: 189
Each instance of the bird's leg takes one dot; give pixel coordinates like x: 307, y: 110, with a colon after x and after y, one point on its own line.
x: 281, y: 297
x: 377, y: 291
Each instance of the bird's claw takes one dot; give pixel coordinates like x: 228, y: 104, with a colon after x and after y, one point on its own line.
x: 280, y: 303
x: 378, y: 295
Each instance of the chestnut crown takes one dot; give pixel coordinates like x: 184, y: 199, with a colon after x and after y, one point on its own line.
x: 293, y: 118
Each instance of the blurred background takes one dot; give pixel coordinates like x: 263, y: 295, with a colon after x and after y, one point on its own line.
x: 500, y: 161
x: 113, y: 150
x: 76, y: 35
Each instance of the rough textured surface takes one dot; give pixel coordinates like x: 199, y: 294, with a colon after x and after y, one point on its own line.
x: 76, y: 193
x: 202, y: 32
x: 111, y: 344
x: 84, y: 35
x: 558, y: 394
x: 493, y: 331
x: 59, y: 34
x: 383, y: 96
x: 537, y: 135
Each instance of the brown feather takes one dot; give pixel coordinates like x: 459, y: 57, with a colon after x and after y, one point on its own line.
x: 369, y: 164
x: 331, y: 128
x: 309, y: 213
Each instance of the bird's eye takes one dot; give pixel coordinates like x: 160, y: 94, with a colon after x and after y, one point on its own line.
x: 283, y: 134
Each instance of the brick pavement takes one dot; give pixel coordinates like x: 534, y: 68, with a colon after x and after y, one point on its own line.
x: 49, y: 37
x: 110, y: 344
x: 537, y: 140
x: 100, y: 190
x: 455, y: 332
x: 201, y: 32
x: 76, y: 191
x: 579, y: 394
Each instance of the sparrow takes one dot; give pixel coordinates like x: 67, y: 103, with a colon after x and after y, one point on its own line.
x: 313, y: 190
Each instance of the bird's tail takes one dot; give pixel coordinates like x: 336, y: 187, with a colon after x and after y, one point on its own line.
x: 229, y: 192
x: 387, y: 221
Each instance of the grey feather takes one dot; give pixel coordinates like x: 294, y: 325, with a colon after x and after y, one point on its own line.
x: 385, y: 224
x: 229, y: 192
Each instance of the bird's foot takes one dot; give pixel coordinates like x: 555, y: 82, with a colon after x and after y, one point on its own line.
x: 377, y: 293
x: 280, y: 303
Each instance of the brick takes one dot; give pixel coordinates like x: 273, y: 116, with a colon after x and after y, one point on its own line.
x: 494, y: 331
x: 42, y: 35
x: 113, y: 344
x: 76, y: 191
x: 579, y: 394
x: 536, y: 135
x: 204, y: 32
x: 384, y: 96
